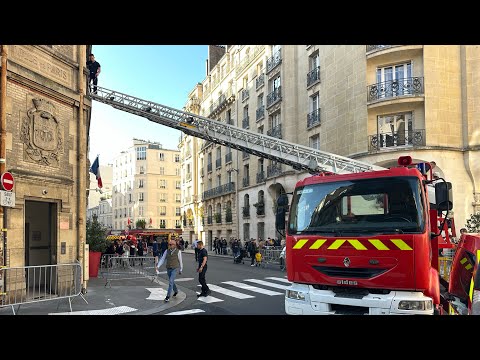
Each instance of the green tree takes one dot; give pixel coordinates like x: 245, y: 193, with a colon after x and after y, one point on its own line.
x: 473, y: 224
x: 96, y: 235
x: 141, y: 224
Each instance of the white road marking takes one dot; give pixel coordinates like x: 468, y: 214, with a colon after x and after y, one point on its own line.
x: 183, y: 279
x: 209, y: 299
x: 186, y: 312
x: 111, y: 311
x: 267, y: 283
x: 156, y: 294
x: 278, y: 279
x: 253, y: 288
x: 228, y: 292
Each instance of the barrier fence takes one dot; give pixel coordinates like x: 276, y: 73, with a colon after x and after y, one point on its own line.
x: 270, y: 255
x: 32, y: 284
x: 113, y: 267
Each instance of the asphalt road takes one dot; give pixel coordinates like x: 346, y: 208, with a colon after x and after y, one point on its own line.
x: 237, y: 289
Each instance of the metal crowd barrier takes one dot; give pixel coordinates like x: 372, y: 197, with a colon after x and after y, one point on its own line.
x: 32, y: 284
x: 270, y: 255
x: 127, y: 268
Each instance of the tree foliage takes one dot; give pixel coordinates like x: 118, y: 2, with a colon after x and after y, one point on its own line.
x: 96, y: 235
x: 141, y: 224
x: 473, y: 224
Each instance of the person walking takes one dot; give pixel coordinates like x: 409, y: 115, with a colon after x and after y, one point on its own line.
x: 173, y: 256
x: 94, y: 70
x: 202, y: 269
x: 195, y: 247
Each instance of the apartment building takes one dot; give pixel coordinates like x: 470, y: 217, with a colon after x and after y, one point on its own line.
x: 369, y: 102
x: 146, y: 186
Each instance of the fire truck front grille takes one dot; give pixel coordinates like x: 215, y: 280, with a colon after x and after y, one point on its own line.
x: 361, y: 273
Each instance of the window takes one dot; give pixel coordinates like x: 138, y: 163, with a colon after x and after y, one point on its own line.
x: 177, y: 172
x: 162, y: 170
x: 259, y: 101
x: 161, y: 156
x: 275, y: 120
x: 163, y: 211
x: 142, y: 169
x: 163, y: 224
x: 177, y: 158
x: 229, y: 176
x: 395, y: 130
x: 315, y: 142
x: 140, y: 196
x: 163, y: 184
x: 178, y: 184
x: 177, y: 211
x: 219, y: 180
x: 229, y: 117
x: 141, y: 153
x: 314, y: 102
x: 140, y: 211
x: 314, y: 61
x: 391, y: 75
x: 130, y: 198
x: 178, y: 224
x: 275, y: 84
x: 140, y: 183
x: 245, y: 82
x: 178, y: 198
x: 163, y: 197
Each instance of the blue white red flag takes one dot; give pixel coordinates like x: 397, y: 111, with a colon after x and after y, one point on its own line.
x: 95, y: 169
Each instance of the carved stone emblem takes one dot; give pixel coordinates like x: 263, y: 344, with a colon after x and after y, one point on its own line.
x: 41, y: 133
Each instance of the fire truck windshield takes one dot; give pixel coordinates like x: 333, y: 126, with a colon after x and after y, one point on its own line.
x: 381, y: 205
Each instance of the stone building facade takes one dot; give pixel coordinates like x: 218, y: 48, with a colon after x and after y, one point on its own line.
x: 47, y: 124
x: 373, y: 103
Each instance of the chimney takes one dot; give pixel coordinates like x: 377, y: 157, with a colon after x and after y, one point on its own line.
x: 215, y: 53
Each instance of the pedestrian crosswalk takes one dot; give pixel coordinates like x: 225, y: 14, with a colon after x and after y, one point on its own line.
x: 240, y: 290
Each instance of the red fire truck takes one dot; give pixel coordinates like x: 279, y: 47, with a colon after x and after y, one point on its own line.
x: 360, y: 239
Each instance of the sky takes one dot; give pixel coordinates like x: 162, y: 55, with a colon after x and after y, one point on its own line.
x: 164, y: 74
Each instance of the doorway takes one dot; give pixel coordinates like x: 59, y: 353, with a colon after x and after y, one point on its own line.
x: 40, y: 240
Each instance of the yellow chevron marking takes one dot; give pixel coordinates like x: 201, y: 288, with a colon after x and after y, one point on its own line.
x: 478, y: 256
x: 300, y: 243
x: 470, y: 293
x: 336, y: 244
x: 357, y: 244
x: 317, y: 244
x: 463, y: 261
x: 401, y: 244
x: 378, y: 244
x: 468, y: 267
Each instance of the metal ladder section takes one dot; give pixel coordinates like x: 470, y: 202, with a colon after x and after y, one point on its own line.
x: 298, y: 156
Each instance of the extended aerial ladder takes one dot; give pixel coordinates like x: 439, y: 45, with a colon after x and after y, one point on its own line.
x: 299, y: 157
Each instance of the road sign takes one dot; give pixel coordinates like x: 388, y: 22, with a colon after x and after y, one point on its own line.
x: 7, y: 181
x: 7, y: 198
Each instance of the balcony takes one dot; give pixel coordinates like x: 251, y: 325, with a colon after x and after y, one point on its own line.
x: 275, y: 131
x: 219, y: 190
x: 398, y: 139
x: 274, y: 61
x: 313, y: 119
x: 245, y: 94
x: 313, y: 76
x: 260, y: 208
x: 259, y: 81
x: 222, y: 102
x: 260, y: 113
x: 246, y: 211
x: 260, y: 177
x: 246, y: 122
x: 395, y: 88
x: 209, y: 167
x: 274, y: 97
x: 218, y: 163
x: 228, y: 158
x: 274, y: 170
x: 246, y: 181
x: 373, y: 48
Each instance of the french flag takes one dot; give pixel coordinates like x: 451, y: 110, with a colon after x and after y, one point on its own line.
x: 95, y: 169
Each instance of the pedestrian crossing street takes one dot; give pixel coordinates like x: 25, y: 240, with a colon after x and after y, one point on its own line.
x: 247, y: 289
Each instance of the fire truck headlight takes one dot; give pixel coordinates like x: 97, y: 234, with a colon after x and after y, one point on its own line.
x: 415, y: 305
x: 296, y: 295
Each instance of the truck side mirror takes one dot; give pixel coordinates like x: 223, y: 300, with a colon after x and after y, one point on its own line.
x: 443, y: 196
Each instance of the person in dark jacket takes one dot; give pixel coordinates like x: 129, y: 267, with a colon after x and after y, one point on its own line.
x: 202, y: 269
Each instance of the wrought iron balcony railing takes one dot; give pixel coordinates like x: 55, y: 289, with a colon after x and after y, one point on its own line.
x: 260, y: 177
x: 260, y: 113
x: 274, y: 97
x: 222, y: 102
x: 246, y: 122
x: 274, y: 170
x: 219, y: 190
x: 371, y: 48
x: 274, y: 61
x: 313, y: 119
x: 260, y: 81
x: 218, y: 163
x: 313, y: 76
x: 409, y: 138
x: 395, y: 88
x: 275, y: 132
x: 246, y: 181
x: 228, y: 158
x: 245, y: 94
x: 260, y: 208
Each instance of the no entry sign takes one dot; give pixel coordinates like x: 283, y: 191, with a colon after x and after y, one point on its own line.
x: 7, y: 181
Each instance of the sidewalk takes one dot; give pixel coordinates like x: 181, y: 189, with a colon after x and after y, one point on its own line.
x: 130, y: 297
